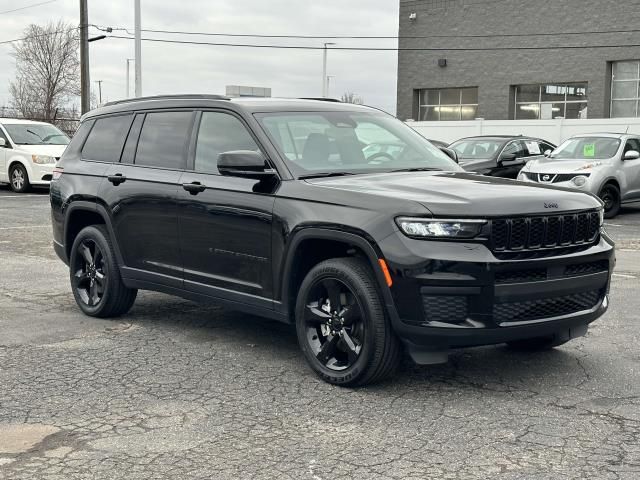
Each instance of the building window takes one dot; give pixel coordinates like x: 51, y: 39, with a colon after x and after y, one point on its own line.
x: 448, y: 103
x: 625, y: 85
x: 544, y: 102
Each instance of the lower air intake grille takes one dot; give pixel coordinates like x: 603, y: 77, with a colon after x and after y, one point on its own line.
x: 545, y: 307
x: 448, y: 309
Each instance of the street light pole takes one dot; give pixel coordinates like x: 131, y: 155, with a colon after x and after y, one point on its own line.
x: 324, y: 69
x: 128, y: 77
x: 138, y: 49
x: 85, y: 84
x: 99, y: 82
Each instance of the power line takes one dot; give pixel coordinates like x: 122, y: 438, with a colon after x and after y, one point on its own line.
x: 28, y: 6
x: 374, y: 37
x: 375, y: 49
x: 35, y: 36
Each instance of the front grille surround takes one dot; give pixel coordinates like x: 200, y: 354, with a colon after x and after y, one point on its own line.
x: 544, y: 231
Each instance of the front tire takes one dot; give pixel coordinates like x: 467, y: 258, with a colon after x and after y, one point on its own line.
x: 19, y: 179
x: 342, y: 327
x: 95, y: 278
x: 610, y: 195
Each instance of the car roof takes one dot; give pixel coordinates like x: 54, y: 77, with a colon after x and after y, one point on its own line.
x: 15, y: 121
x: 500, y: 138
x: 248, y: 104
x: 604, y: 134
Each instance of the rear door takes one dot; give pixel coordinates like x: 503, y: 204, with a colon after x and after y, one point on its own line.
x: 225, y: 228
x: 141, y: 194
x: 631, y: 171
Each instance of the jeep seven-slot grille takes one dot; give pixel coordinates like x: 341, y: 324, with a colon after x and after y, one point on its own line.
x: 551, y: 231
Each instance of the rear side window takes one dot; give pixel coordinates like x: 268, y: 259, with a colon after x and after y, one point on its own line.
x: 164, y: 139
x: 219, y: 133
x: 106, y: 139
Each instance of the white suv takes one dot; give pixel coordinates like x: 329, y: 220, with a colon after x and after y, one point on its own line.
x: 28, y: 152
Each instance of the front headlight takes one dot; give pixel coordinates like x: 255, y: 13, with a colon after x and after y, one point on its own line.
x: 42, y: 159
x: 601, y: 216
x: 434, y: 228
x: 523, y: 177
x: 579, y: 181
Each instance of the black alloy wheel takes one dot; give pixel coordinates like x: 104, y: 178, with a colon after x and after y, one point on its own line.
x: 610, y: 196
x: 342, y: 324
x: 90, y: 276
x: 334, y: 324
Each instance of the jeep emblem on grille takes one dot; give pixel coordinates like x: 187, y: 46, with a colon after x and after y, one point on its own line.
x: 550, y: 205
x: 546, y: 178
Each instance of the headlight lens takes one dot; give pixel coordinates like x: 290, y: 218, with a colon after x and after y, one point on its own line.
x: 579, y: 181
x: 42, y: 159
x: 432, y: 228
x: 601, y: 216
x: 523, y: 177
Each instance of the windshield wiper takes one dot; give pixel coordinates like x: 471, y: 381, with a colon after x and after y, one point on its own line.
x: 418, y: 169
x: 35, y: 134
x: 325, y: 174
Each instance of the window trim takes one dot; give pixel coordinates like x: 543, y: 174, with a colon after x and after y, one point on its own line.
x: 539, y: 102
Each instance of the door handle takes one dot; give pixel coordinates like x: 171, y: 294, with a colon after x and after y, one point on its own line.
x: 117, y: 179
x: 194, y: 188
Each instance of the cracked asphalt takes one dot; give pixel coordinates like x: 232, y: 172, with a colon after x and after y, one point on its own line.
x: 176, y: 390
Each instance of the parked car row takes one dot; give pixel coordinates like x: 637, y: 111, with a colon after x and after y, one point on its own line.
x: 606, y: 165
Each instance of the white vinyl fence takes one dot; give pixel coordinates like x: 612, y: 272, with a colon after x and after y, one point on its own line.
x: 555, y: 131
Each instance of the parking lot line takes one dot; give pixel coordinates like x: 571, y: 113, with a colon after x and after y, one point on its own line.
x: 23, y: 196
x: 25, y: 227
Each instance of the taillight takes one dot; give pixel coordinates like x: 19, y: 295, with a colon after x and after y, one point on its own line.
x: 57, y: 173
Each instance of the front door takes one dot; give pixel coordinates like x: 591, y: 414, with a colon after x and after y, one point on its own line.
x: 631, y: 172
x: 4, y: 175
x: 141, y: 193
x: 225, y: 222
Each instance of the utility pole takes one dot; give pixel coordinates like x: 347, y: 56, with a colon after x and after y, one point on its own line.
x: 324, y: 69
x: 138, y: 49
x: 128, y: 77
x: 99, y: 82
x: 85, y: 84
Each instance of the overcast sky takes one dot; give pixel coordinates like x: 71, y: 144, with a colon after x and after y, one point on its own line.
x: 172, y: 68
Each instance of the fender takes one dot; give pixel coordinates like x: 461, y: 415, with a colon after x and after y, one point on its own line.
x: 608, y: 179
x: 370, y: 249
x: 100, y: 210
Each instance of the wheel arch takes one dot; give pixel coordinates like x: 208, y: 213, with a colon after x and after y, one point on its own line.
x: 81, y: 214
x: 303, y: 254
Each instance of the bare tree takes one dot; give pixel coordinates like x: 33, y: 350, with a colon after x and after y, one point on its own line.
x: 350, y: 97
x: 47, y: 70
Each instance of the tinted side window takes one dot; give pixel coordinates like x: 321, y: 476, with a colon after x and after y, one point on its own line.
x: 219, y: 133
x: 106, y: 139
x: 132, y: 140
x: 163, y: 140
x: 515, y: 148
x: 632, y: 144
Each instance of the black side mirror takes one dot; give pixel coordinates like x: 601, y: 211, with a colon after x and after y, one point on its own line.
x: 244, y: 163
x: 508, y: 159
x: 451, y: 153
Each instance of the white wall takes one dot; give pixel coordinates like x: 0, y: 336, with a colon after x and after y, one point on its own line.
x: 554, y: 131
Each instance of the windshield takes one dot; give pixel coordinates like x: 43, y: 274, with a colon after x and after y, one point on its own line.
x: 350, y: 142
x: 587, y: 148
x: 36, y: 134
x: 477, y: 147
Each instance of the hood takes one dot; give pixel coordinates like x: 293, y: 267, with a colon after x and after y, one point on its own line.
x: 550, y: 165
x: 51, y: 150
x: 462, y: 194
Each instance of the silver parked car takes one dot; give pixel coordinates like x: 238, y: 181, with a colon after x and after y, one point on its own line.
x: 605, y: 164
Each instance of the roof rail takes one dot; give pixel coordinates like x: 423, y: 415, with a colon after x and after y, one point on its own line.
x: 321, y: 99
x: 169, y: 97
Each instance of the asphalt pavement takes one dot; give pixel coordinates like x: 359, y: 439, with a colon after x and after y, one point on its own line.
x: 177, y: 390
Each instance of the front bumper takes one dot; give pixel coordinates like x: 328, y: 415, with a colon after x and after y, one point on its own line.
x: 41, y: 174
x: 450, y: 294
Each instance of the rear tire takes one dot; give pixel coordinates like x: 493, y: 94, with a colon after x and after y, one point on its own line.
x: 538, y: 344
x: 19, y: 179
x: 95, y: 277
x: 610, y: 195
x: 351, y: 344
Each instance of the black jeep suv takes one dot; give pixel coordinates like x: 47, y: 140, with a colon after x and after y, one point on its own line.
x: 297, y: 210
